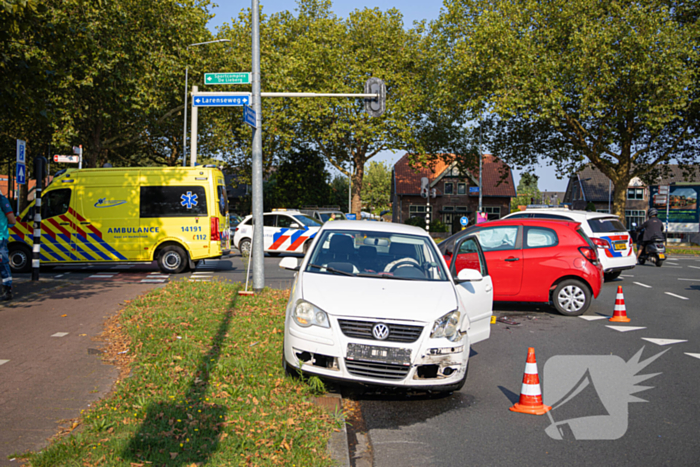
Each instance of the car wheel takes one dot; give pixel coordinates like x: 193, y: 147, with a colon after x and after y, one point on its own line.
x: 659, y: 262
x: 172, y: 260
x: 571, y: 298
x: 244, y: 247
x: 611, y: 276
x: 20, y: 259
x: 641, y: 261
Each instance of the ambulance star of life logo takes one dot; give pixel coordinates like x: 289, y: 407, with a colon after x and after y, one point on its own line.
x: 188, y: 200
x: 589, y: 394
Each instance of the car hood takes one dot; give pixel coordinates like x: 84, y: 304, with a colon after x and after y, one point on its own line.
x: 365, y: 297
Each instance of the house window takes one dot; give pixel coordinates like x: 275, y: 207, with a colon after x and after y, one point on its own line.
x: 635, y: 193
x: 461, y: 208
x: 494, y: 212
x: 604, y: 211
x: 416, y: 210
x: 635, y: 217
x: 448, y: 208
x: 461, y: 188
x: 449, y: 188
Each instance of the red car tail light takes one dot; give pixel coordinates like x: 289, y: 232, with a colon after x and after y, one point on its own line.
x: 215, y: 237
x: 589, y: 253
x: 600, y: 243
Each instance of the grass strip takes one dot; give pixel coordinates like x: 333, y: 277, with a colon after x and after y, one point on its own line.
x: 205, y: 386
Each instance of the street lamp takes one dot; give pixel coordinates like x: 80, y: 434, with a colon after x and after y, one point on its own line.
x: 184, y: 132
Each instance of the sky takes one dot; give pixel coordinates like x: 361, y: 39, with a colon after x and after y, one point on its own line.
x: 412, y: 10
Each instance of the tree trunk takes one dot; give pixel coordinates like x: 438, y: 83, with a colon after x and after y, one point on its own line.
x: 619, y: 199
x: 356, y: 207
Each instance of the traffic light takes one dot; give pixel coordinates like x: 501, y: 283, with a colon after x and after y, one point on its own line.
x: 424, y: 187
x: 375, y: 107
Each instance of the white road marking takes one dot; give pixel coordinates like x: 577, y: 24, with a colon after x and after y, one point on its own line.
x: 696, y: 355
x: 59, y: 334
x: 202, y: 273
x: 60, y: 275
x: 160, y: 276
x: 625, y: 328
x: 156, y: 281
x: 2, y: 362
x: 694, y: 267
x: 692, y: 280
x: 594, y: 318
x: 626, y: 275
x: 643, y: 285
x: 677, y: 296
x: 664, y: 341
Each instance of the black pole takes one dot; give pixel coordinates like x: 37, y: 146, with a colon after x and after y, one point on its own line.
x: 39, y: 173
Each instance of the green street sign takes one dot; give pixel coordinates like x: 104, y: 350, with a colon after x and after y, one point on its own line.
x: 227, y: 78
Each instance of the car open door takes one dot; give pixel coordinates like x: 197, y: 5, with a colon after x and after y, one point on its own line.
x: 476, y: 293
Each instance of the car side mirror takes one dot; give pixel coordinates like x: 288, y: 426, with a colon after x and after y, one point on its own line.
x: 294, y: 226
x: 469, y: 275
x: 289, y: 263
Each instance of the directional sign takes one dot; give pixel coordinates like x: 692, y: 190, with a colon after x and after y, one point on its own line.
x: 474, y: 189
x: 227, y: 78
x: 232, y: 100
x: 21, y: 175
x: 464, y: 221
x: 663, y: 189
x: 21, y: 151
x: 66, y: 159
x: 249, y: 116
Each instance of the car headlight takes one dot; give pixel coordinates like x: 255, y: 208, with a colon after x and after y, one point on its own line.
x: 305, y: 314
x: 447, y: 326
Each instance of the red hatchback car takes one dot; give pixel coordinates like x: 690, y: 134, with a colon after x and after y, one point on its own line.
x: 532, y: 260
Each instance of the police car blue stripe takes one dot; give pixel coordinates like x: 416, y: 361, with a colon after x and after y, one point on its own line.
x: 296, y: 235
x: 106, y: 246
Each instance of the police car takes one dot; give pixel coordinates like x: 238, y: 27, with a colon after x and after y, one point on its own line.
x: 284, y: 231
x: 612, y: 239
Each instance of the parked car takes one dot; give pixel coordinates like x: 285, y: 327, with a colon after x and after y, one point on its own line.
x: 283, y: 232
x: 374, y: 303
x: 323, y: 214
x: 532, y: 260
x: 613, y: 241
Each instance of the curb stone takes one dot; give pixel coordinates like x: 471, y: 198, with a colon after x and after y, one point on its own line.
x: 338, y: 443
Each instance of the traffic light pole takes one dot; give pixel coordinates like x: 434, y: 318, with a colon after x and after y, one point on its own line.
x: 258, y: 251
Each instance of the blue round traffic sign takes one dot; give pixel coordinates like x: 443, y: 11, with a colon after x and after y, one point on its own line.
x: 464, y: 220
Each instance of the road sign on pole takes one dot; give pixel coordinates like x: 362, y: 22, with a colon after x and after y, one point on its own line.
x: 21, y: 174
x: 221, y: 100
x: 249, y: 116
x: 227, y: 78
x: 66, y: 159
x: 21, y: 151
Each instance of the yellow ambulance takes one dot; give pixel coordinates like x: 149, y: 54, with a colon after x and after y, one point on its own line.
x: 173, y: 215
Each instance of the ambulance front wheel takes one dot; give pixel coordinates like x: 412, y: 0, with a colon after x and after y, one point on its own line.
x: 172, y: 260
x: 20, y: 258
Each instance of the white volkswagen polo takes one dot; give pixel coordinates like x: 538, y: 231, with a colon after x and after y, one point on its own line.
x: 375, y: 303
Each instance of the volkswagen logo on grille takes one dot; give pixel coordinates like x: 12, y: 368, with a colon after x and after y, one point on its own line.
x: 380, y: 331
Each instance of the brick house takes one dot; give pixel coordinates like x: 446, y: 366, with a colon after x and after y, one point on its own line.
x: 457, y: 195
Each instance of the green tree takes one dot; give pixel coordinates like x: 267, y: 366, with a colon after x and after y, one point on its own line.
x: 300, y: 179
x: 527, y: 192
x: 376, y: 187
x: 339, y: 192
x: 319, y: 52
x: 612, y: 83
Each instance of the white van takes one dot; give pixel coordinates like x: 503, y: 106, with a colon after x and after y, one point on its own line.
x: 605, y: 230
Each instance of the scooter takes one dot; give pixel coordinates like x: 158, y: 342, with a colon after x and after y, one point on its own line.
x: 655, y: 252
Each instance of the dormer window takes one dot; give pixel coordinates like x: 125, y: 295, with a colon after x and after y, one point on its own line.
x: 449, y: 188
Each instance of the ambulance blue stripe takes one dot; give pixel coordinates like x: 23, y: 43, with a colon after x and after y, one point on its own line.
x: 44, y: 258
x: 106, y: 246
x: 45, y: 248
x: 17, y: 238
x: 46, y: 239
x: 67, y: 239
x: 93, y: 247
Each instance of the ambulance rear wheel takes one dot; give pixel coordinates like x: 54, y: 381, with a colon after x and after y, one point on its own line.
x: 172, y: 260
x: 20, y: 258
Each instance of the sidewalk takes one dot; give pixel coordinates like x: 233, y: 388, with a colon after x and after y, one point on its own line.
x: 50, y: 367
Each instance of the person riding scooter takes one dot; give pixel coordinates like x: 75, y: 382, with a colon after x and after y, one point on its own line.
x: 652, y: 229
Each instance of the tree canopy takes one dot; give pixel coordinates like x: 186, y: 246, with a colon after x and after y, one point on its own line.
x: 613, y: 83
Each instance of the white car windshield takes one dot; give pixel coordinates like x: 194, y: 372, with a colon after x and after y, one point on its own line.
x: 307, y: 221
x: 376, y: 254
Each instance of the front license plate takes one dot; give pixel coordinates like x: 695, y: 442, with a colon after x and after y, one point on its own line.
x: 621, y: 246
x: 373, y: 353
x: 662, y: 256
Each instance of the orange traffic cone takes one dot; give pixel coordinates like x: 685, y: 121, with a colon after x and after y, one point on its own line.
x: 620, y: 313
x: 530, y: 393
